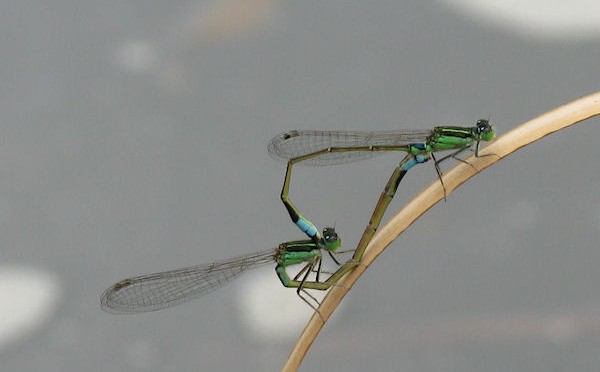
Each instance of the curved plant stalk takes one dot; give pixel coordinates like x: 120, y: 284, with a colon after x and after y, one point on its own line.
x: 531, y: 131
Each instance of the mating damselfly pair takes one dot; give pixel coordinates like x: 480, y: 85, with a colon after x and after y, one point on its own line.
x: 165, y: 289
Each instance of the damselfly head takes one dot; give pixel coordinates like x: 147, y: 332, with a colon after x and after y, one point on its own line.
x: 331, y: 239
x: 485, y: 130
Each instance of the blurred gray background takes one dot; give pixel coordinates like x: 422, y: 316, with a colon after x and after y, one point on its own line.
x: 133, y: 139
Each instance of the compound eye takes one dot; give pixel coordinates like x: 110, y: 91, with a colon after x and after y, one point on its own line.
x: 330, y: 235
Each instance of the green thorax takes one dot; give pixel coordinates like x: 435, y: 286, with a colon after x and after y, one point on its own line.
x: 449, y: 138
x: 296, y: 252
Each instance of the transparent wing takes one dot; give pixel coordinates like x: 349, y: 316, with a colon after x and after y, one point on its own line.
x: 158, y: 291
x: 296, y: 143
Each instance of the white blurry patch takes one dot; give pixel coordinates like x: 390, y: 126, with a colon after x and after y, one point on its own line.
x: 137, y: 56
x: 28, y: 300
x: 537, y: 19
x: 269, y: 311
